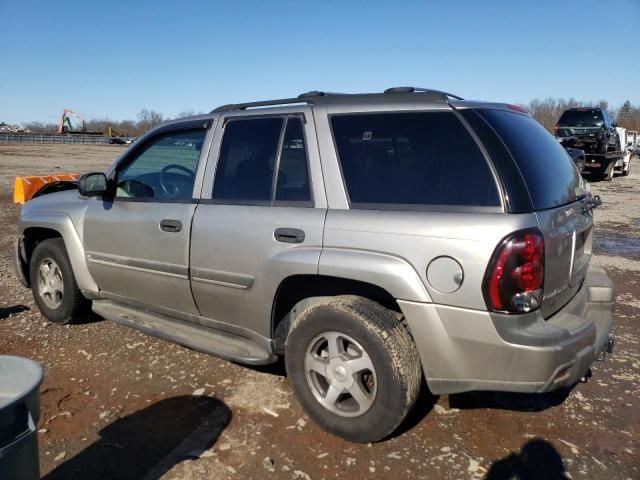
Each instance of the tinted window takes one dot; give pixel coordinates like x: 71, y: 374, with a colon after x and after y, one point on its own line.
x: 247, y: 159
x: 581, y: 118
x: 551, y: 176
x: 423, y: 158
x: 164, y: 170
x: 293, y: 177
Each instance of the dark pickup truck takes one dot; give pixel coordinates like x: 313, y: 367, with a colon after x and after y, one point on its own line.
x: 590, y: 129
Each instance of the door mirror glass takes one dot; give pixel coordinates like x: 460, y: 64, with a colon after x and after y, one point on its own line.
x: 93, y: 184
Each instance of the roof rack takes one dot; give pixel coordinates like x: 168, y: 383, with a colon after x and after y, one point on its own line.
x: 307, y: 97
x: 314, y: 95
x: 421, y: 90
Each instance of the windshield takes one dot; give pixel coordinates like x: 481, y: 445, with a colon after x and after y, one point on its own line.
x: 581, y: 118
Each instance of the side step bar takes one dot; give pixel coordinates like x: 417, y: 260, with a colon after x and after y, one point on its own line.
x: 203, y: 339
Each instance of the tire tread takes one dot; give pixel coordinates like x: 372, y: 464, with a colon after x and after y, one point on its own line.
x: 384, y: 324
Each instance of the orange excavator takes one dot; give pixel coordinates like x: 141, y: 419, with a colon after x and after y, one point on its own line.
x: 65, y: 122
x: 67, y: 127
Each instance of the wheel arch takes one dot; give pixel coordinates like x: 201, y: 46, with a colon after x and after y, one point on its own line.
x: 297, y: 292
x: 32, y: 236
x: 39, y: 226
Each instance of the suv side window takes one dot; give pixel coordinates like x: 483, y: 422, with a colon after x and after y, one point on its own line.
x: 412, y: 159
x: 252, y: 151
x: 293, y: 173
x: 164, y: 170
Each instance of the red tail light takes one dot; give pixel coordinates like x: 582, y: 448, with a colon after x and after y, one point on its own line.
x: 556, y: 128
x: 515, y: 277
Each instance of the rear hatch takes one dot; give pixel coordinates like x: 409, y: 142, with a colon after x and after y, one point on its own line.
x: 581, y: 132
x: 583, y: 122
x: 559, y: 199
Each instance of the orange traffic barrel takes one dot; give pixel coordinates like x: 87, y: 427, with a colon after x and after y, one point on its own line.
x: 26, y: 187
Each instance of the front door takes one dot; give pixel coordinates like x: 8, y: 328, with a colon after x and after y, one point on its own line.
x: 137, y: 243
x: 260, y: 220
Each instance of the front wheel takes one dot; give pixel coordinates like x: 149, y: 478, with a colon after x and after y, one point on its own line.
x: 353, y: 367
x: 53, y: 283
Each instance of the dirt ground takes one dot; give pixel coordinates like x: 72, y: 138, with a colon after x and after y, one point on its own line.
x: 119, y: 404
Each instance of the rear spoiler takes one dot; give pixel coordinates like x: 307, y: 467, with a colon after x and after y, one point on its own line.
x: 26, y: 188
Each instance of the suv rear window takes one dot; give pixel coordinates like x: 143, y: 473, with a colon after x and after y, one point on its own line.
x: 547, y: 168
x: 581, y: 118
x: 421, y: 158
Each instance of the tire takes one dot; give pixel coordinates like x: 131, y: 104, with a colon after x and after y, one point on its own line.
x: 54, y: 285
x: 627, y: 171
x: 387, y: 384
x: 609, y: 172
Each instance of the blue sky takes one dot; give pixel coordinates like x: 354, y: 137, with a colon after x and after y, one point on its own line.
x: 112, y: 59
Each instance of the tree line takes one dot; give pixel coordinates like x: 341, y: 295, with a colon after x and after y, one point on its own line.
x: 546, y: 111
x: 146, y: 120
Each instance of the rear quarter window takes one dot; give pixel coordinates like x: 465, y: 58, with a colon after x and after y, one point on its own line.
x: 411, y: 159
x: 550, y: 175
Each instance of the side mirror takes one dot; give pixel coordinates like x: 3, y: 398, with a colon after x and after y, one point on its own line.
x: 93, y: 184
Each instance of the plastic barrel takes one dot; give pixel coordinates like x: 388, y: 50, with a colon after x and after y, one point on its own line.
x: 20, y: 380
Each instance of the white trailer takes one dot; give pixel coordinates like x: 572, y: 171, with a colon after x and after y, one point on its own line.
x: 623, y: 164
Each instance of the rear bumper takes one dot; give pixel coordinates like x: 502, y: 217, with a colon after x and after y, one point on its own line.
x: 585, y: 142
x: 464, y: 350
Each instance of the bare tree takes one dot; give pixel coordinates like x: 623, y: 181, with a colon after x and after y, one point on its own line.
x: 148, y: 119
x: 186, y: 113
x: 39, y: 127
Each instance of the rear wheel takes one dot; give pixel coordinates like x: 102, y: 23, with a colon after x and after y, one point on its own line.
x: 608, y: 173
x: 53, y: 284
x: 353, y: 367
x: 627, y: 171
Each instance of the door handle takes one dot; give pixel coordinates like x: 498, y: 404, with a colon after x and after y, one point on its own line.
x: 289, y: 235
x: 171, y: 226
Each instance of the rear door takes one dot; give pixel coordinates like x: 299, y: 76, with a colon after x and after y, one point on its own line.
x: 558, y: 197
x: 261, y: 216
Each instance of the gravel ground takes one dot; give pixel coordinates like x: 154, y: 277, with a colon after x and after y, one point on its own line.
x: 120, y: 404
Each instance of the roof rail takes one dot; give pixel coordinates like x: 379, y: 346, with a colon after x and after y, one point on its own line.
x: 307, y: 97
x: 421, y: 90
x: 314, y: 96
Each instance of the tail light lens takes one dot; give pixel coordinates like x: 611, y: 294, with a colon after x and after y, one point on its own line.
x: 515, y: 277
x: 556, y: 128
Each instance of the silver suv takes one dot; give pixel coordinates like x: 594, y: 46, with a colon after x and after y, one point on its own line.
x: 374, y: 240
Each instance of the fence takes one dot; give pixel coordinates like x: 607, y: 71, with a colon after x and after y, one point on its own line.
x: 80, y: 139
